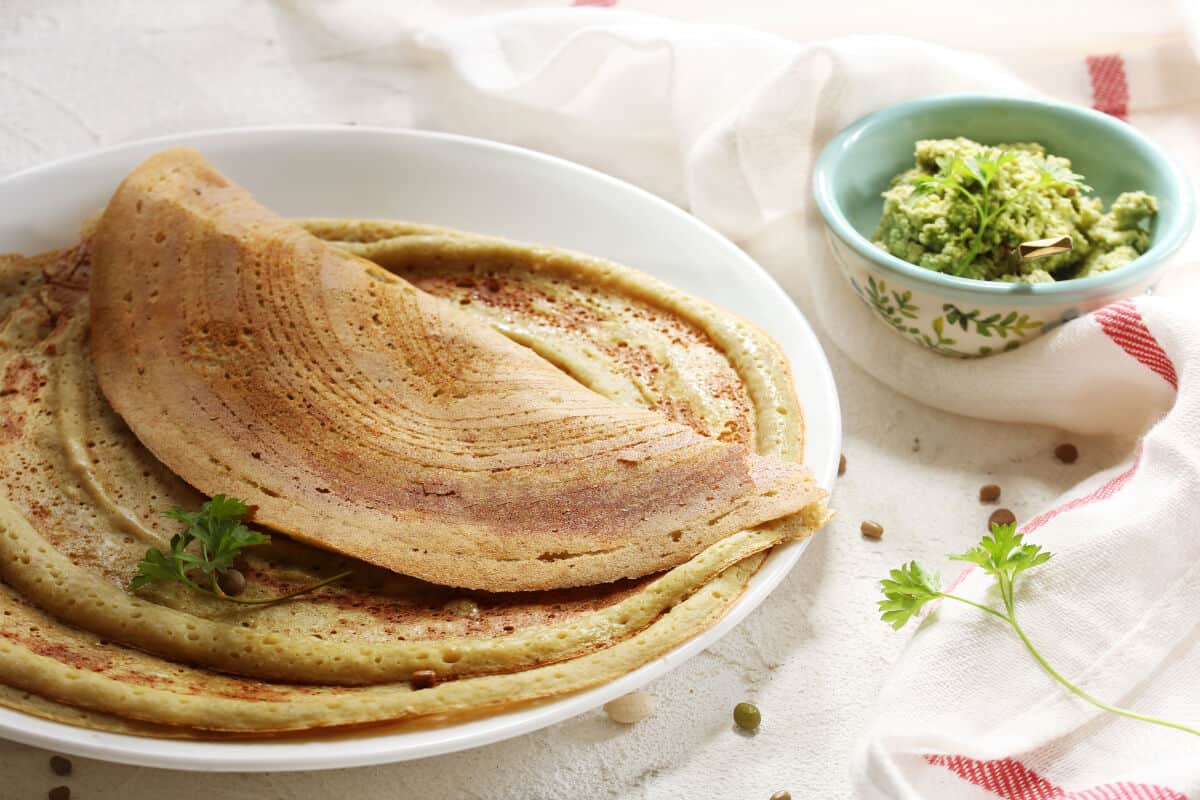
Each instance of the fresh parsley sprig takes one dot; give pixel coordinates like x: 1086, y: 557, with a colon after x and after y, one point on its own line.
x: 220, y: 531
x: 974, y: 179
x: 1004, y: 555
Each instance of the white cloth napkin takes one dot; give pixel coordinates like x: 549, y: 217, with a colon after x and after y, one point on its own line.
x: 727, y: 122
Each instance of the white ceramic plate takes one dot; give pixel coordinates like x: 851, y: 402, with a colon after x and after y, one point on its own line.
x: 326, y: 171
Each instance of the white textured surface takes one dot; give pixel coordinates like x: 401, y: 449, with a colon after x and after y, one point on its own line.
x: 76, y: 76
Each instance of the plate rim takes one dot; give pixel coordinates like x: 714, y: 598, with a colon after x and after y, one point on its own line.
x: 385, y: 747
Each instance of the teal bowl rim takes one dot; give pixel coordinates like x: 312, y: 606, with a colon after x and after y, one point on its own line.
x: 1166, y: 242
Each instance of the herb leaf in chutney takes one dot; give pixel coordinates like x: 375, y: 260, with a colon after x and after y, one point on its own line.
x: 965, y: 208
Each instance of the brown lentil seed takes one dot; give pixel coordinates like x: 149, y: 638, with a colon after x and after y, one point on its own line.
x: 60, y: 766
x: 1001, y: 516
x: 60, y: 793
x: 842, y: 465
x: 1067, y: 453
x: 782, y: 794
x: 232, y: 582
x: 871, y: 530
x: 423, y: 679
x: 989, y: 493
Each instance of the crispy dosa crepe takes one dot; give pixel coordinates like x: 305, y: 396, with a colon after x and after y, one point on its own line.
x: 614, y: 329
x: 40, y: 655
x: 81, y: 498
x: 89, y: 496
x: 43, y: 707
x: 366, y: 417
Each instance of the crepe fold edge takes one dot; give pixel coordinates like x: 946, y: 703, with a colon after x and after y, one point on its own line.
x: 179, y: 256
x: 55, y: 677
x: 292, y: 656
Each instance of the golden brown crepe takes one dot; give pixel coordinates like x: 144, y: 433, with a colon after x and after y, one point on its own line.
x: 81, y: 498
x: 369, y: 418
x: 89, y: 499
x: 41, y: 656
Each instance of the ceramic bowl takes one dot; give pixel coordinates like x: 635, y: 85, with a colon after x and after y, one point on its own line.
x: 970, y: 318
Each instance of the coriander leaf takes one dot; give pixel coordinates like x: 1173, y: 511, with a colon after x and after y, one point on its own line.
x: 155, y: 567
x: 1003, y: 554
x: 972, y: 177
x: 905, y: 592
x: 219, y: 530
x: 992, y: 551
x: 228, y: 541
x: 924, y: 186
x: 189, y: 518
x: 990, y: 167
x: 976, y: 555
x: 218, y: 527
x: 225, y: 508
x: 1029, y: 555
x: 1057, y: 174
x: 971, y: 165
x: 988, y: 170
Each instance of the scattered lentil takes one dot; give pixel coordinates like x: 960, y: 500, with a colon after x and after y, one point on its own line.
x: 782, y: 794
x: 60, y: 765
x: 747, y: 716
x: 1066, y: 453
x: 232, y: 582
x: 633, y: 707
x: 872, y: 530
x: 1001, y: 516
x: 842, y: 465
x: 60, y: 793
x: 423, y: 679
x: 989, y: 493
x: 916, y: 445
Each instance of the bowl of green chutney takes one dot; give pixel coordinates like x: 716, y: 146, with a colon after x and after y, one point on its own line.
x: 970, y: 310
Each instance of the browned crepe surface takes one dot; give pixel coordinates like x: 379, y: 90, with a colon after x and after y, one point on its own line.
x: 81, y: 498
x: 93, y: 496
x: 62, y: 546
x: 366, y: 417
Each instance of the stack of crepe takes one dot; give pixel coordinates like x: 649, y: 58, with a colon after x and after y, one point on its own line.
x: 542, y: 469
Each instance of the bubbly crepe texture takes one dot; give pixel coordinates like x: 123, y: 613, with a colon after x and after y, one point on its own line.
x: 362, y: 415
x: 82, y: 496
x: 50, y: 660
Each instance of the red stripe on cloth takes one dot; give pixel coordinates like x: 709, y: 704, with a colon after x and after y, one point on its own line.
x: 1123, y: 323
x: 1012, y: 780
x: 958, y: 579
x: 1111, y: 487
x: 1110, y: 87
x: 602, y: 3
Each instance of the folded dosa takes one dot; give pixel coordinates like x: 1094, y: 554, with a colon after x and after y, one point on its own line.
x: 86, y: 497
x: 82, y: 498
x: 364, y: 416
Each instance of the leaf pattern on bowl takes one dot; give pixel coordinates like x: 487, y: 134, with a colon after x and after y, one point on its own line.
x: 1001, y: 325
x: 895, y: 309
x: 898, y: 310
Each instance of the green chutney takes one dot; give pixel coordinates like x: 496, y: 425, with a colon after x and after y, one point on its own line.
x: 1028, y: 195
